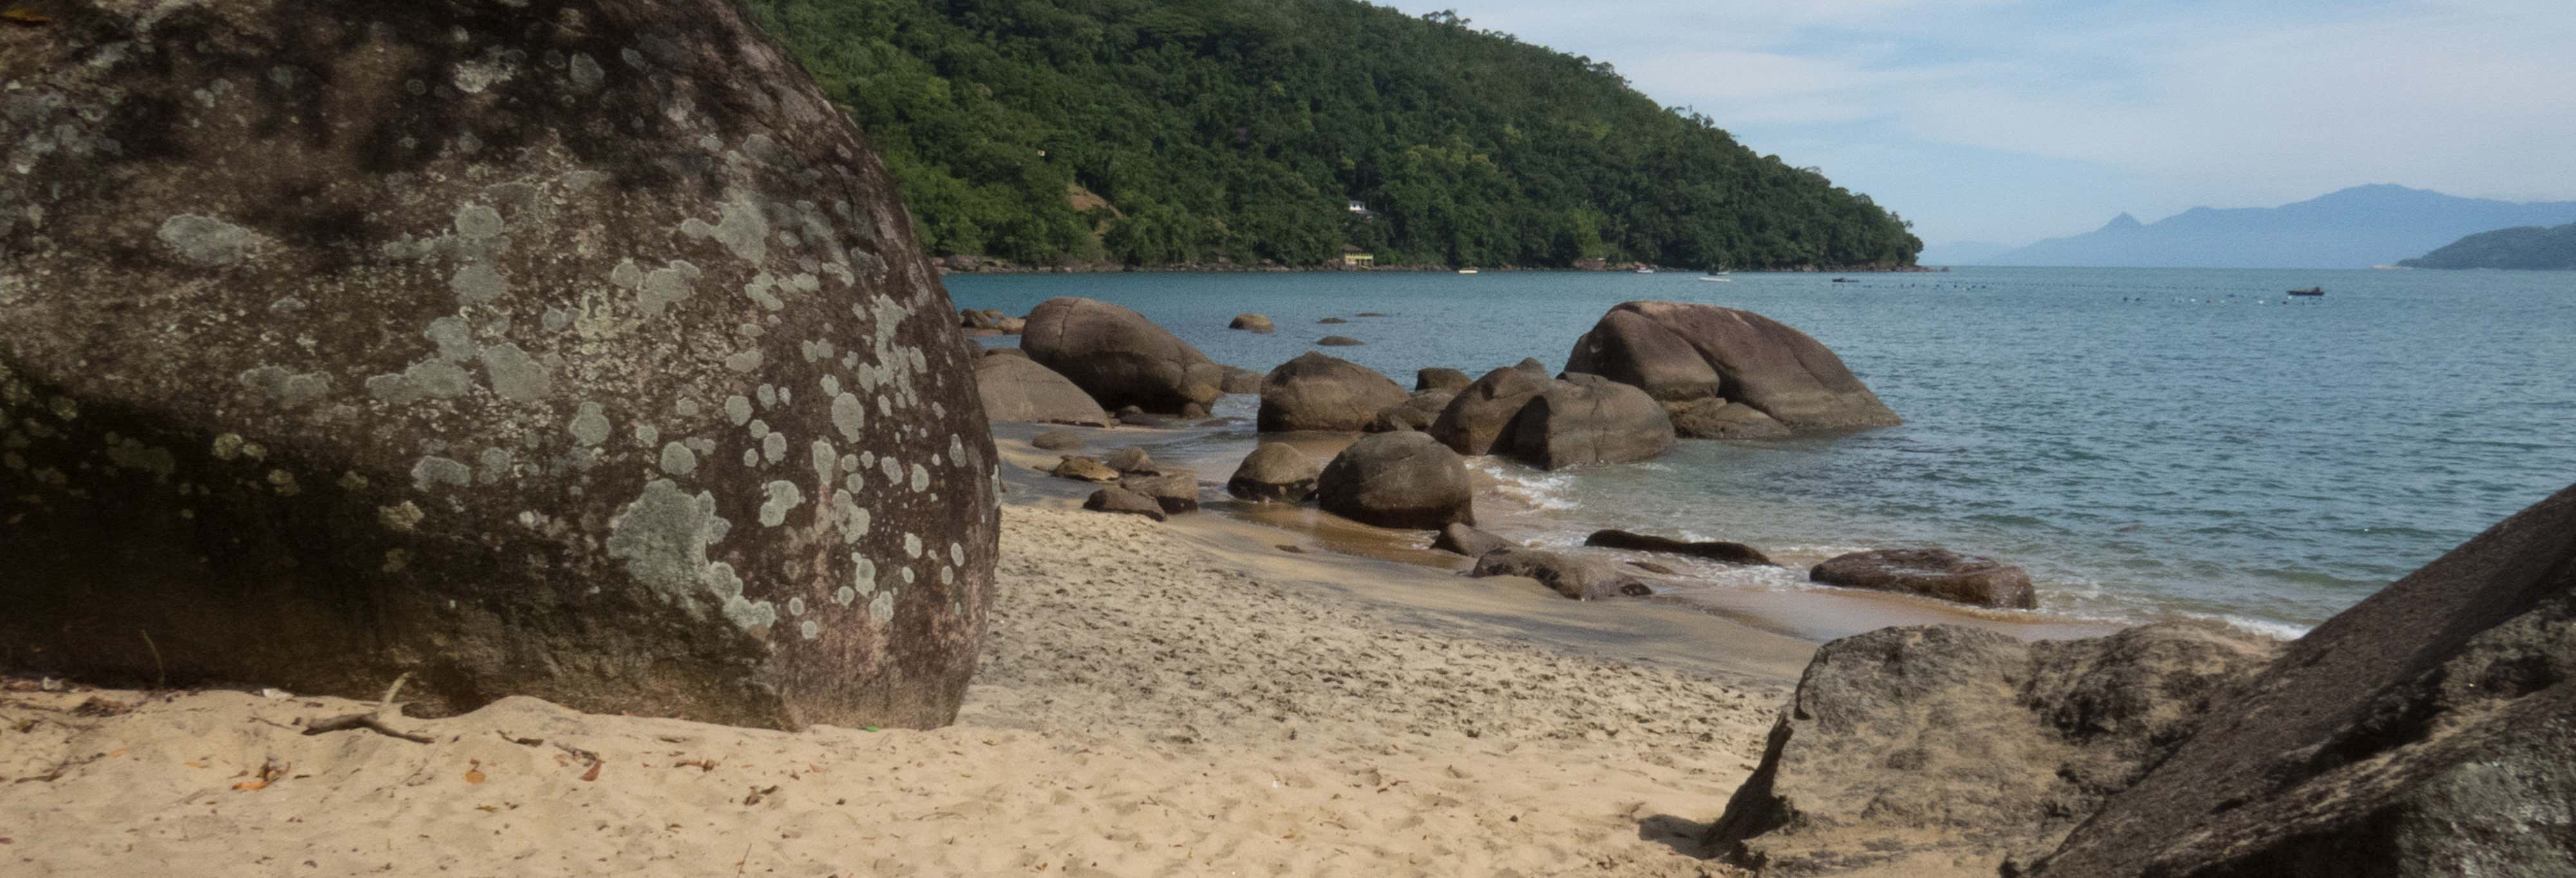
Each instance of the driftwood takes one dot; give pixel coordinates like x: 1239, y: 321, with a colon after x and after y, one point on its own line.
x: 373, y: 720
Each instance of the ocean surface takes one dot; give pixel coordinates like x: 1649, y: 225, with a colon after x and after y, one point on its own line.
x: 2148, y: 442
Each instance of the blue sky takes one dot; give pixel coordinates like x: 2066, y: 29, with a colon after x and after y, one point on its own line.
x: 2011, y: 121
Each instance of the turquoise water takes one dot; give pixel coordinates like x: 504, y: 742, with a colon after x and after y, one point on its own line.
x: 2146, y: 441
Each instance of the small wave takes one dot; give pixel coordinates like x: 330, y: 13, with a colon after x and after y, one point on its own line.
x: 2282, y: 630
x: 1544, y: 492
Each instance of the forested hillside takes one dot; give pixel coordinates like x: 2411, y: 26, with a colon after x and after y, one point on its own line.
x: 1160, y: 132
x: 2529, y: 247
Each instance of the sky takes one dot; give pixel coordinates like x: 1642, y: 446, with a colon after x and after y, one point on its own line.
x: 2007, y: 122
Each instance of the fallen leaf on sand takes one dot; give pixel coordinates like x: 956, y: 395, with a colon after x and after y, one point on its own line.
x: 249, y: 785
x: 196, y: 763
x: 593, y: 773
x: 474, y: 772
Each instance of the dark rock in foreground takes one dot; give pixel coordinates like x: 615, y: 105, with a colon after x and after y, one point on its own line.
x: 579, y: 350
x: 1588, y: 419
x: 1585, y: 579
x: 1402, y: 480
x: 1943, y: 749
x: 1276, y: 472
x: 1940, y: 573
x: 2424, y: 732
x: 1672, y: 350
x: 1117, y: 356
x: 1713, y: 550
x: 1318, y: 392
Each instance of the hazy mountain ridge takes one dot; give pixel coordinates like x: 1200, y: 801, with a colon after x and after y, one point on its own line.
x: 2357, y: 227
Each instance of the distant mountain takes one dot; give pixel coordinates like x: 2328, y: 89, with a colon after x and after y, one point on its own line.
x: 2353, y: 228
x: 1963, y: 253
x: 2530, y: 247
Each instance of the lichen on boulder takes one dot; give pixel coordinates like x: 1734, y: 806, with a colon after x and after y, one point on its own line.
x: 577, y: 349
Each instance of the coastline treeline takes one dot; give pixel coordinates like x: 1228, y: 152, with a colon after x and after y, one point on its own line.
x: 2524, y: 247
x: 1169, y: 132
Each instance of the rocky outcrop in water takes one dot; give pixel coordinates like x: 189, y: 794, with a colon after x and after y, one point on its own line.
x: 1253, y: 323
x: 1945, y: 749
x: 1339, y: 341
x: 1174, y: 488
x: 1402, y: 480
x: 579, y: 350
x: 2424, y: 732
x: 1440, y: 378
x: 1318, y: 392
x: 1417, y: 412
x: 1940, y: 573
x: 1587, y: 419
x: 1480, y: 417
x: 1682, y: 353
x: 1117, y: 356
x: 1712, y: 550
x: 1018, y: 389
x: 1572, y: 576
x: 1277, y: 471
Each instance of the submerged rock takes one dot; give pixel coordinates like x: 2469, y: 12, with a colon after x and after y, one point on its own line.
x: 1402, y: 480
x: 1276, y: 471
x: 1944, y: 749
x: 1339, y: 341
x: 1940, y: 573
x: 1318, y: 392
x: 579, y: 350
x: 1117, y: 356
x: 1580, y: 578
x: 1713, y: 550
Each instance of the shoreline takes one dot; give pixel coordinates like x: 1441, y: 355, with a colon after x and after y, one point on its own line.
x: 978, y: 266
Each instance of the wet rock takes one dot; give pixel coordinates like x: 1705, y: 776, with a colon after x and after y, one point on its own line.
x: 1415, y: 413
x: 1131, y: 460
x: 1940, y: 573
x: 1402, y: 480
x: 1174, y: 488
x: 1757, y: 361
x: 1018, y: 389
x: 578, y: 350
x: 1083, y: 469
x: 1584, y: 579
x: 1317, y: 392
x: 1479, y: 416
x: 2425, y: 731
x: 1651, y: 567
x: 372, y: 338
x: 1120, y: 500
x: 1467, y: 541
x: 1943, y: 749
x: 1339, y: 341
x: 1587, y: 419
x: 1713, y: 550
x: 1332, y: 320
x: 1116, y: 355
x: 1254, y: 323
x: 1276, y: 471
x: 1719, y: 419
x: 1441, y: 378
x: 1057, y: 440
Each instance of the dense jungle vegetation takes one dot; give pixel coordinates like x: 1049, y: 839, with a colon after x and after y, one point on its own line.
x: 1165, y: 132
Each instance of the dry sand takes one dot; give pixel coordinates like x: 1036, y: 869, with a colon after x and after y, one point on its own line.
x: 1155, y: 700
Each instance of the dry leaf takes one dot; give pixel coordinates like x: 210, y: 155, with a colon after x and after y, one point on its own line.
x: 120, y: 751
x: 593, y: 773
x: 249, y: 785
x: 486, y: 808
x: 196, y: 763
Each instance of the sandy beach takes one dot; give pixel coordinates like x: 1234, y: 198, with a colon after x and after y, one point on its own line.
x: 1181, y: 699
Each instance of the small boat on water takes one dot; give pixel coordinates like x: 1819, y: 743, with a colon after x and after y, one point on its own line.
x: 1466, y: 271
x: 2311, y: 291
x: 1717, y: 280
x: 1645, y: 269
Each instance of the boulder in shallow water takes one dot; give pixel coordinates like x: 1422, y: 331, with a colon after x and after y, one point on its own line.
x: 1467, y: 541
x: 1759, y: 362
x: 1120, y: 500
x: 1175, y: 488
x: 1573, y: 576
x: 1276, y: 471
x: 1587, y: 419
x: 1318, y: 392
x: 1332, y: 320
x: 1339, y: 341
x: 1417, y: 412
x: 1116, y: 355
x: 1945, y: 749
x: 1713, y: 550
x: 1940, y: 573
x: 1253, y: 323
x: 1441, y: 378
x: 1402, y: 480
x: 1018, y: 389
x: 2424, y: 732
x: 1478, y: 418
x: 1719, y: 419
x: 579, y: 350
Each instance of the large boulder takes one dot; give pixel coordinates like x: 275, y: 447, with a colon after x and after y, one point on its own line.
x: 1174, y: 488
x: 579, y: 350
x: 1588, y: 419
x: 1573, y: 576
x: 1718, y: 419
x: 1116, y: 355
x: 1018, y: 389
x: 1253, y: 323
x: 1946, y: 749
x: 1317, y: 392
x: 1940, y: 573
x: 1401, y: 479
x: 1757, y: 361
x: 1481, y: 415
x: 1118, y: 499
x: 2424, y: 732
x: 1277, y: 471
x: 1441, y: 378
x: 1417, y: 412
x: 1713, y: 550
